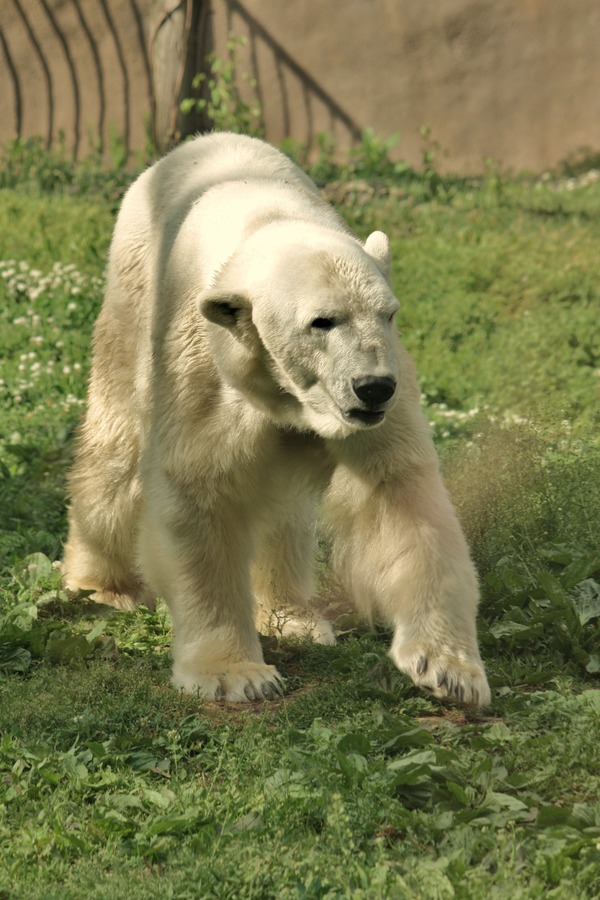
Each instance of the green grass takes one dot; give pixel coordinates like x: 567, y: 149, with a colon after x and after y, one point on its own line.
x: 356, y: 785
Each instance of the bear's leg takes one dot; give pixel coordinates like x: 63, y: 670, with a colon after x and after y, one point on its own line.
x: 283, y: 578
x: 198, y: 558
x: 399, y: 547
x: 100, y: 552
x: 89, y: 566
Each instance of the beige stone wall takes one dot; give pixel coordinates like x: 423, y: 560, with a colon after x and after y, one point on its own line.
x: 76, y: 67
x: 512, y: 80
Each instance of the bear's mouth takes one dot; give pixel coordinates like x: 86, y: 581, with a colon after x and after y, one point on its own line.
x: 365, y: 416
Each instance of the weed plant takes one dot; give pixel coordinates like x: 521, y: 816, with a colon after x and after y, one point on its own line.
x: 29, y: 166
x: 217, y: 98
x: 356, y: 785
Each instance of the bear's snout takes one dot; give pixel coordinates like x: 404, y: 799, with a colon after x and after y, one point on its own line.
x: 373, y: 390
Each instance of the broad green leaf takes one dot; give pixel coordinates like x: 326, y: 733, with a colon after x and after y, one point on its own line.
x: 443, y: 821
x: 549, y: 816
x: 98, y: 750
x: 35, y: 567
x: 125, y: 801
x: 50, y: 775
x: 285, y: 781
x: 252, y: 821
x: 587, y: 815
x: 591, y: 698
x: 22, y: 617
x: 422, y: 758
x: 552, y: 588
x: 586, y: 600
x: 506, y: 801
x: 174, y: 825
x: 512, y: 578
x: 498, y: 733
x: 14, y: 659
x: 580, y: 569
x: 161, y: 799
x: 96, y: 631
x: 355, y: 741
x: 459, y: 793
x: 408, y: 736
x: 511, y: 630
x: 353, y: 766
x: 593, y: 664
x: 558, y: 553
x: 63, y: 648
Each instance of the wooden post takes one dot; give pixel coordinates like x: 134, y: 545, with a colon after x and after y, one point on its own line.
x: 175, y: 49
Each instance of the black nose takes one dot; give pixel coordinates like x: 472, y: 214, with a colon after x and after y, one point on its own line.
x: 374, y: 391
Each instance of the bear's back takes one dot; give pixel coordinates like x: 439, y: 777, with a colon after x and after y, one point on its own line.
x: 185, y: 174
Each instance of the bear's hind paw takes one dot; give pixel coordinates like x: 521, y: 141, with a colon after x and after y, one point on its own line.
x: 233, y: 683
x: 281, y: 623
x: 125, y: 602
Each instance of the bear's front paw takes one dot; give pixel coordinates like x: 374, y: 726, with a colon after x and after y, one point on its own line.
x: 445, y: 672
x: 232, y: 682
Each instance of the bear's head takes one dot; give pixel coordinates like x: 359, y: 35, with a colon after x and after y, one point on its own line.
x: 303, y: 325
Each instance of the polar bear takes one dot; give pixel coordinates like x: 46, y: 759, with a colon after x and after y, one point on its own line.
x: 246, y: 367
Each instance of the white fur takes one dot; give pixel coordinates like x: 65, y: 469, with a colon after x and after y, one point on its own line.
x: 241, y: 323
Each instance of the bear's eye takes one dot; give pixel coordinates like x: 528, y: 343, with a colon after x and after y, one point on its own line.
x: 322, y: 323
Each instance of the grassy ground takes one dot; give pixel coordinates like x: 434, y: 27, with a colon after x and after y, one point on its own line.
x: 355, y: 785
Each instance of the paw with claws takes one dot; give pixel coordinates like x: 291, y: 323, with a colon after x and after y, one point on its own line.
x: 447, y: 672
x: 232, y: 682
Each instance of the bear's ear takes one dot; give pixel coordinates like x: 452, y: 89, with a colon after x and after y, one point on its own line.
x: 377, y: 246
x: 228, y: 310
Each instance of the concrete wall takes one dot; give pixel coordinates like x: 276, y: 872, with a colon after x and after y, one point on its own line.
x: 513, y: 80
x: 77, y: 67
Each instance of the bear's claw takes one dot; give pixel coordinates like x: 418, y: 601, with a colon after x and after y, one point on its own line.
x: 233, y: 682
x: 450, y: 673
